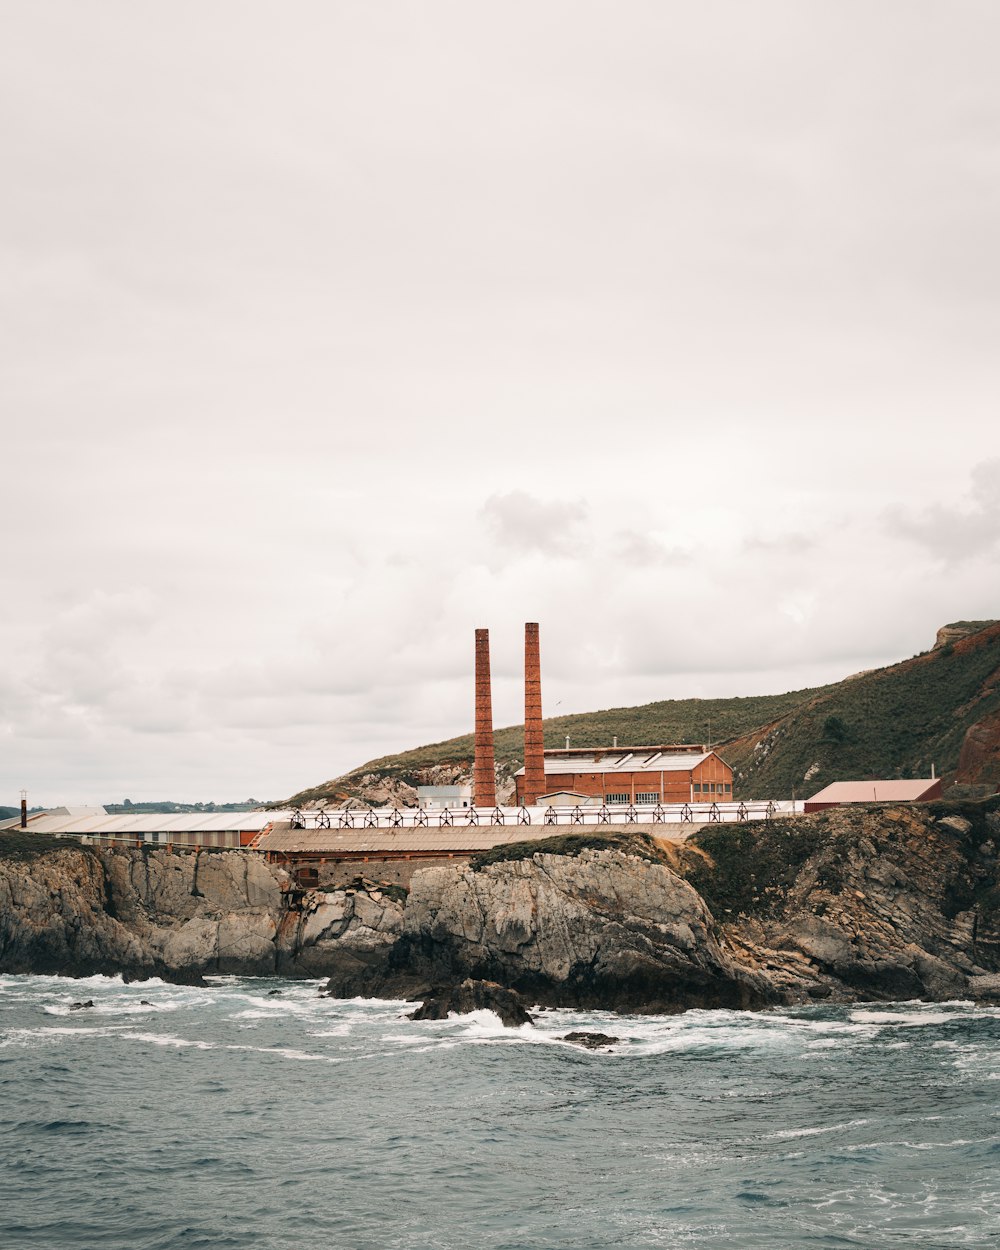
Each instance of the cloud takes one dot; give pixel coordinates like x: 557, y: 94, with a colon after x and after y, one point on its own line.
x: 645, y: 550
x: 790, y: 545
x: 956, y: 534
x: 523, y: 523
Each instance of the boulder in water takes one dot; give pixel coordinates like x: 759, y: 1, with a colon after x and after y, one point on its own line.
x: 592, y: 1041
x: 470, y: 995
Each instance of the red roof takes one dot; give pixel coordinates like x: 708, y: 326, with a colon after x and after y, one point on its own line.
x: 877, y: 791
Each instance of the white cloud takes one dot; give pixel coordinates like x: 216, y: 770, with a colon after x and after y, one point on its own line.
x: 524, y: 523
x: 953, y: 534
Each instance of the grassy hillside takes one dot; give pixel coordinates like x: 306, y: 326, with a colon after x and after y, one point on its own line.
x: 890, y: 722
x: 673, y: 720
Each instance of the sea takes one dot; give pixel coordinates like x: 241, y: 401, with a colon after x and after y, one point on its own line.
x: 259, y: 1115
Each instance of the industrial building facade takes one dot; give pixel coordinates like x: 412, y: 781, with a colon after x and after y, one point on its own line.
x: 637, y: 775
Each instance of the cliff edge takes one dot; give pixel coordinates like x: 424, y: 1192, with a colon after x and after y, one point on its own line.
x: 871, y: 903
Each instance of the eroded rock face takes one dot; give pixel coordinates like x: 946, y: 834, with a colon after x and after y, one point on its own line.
x: 979, y: 758
x: 178, y: 916
x: 350, y: 927
x: 601, y: 929
x: 888, y: 903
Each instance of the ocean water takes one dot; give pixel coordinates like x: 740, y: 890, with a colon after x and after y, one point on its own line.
x: 233, y: 1117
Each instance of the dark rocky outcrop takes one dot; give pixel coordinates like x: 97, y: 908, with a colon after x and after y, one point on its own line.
x: 471, y: 995
x: 591, y: 1041
x: 868, y: 902
x: 599, y: 929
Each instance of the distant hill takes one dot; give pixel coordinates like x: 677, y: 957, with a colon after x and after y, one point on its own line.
x: 940, y: 708
x: 167, y: 806
x: 9, y: 813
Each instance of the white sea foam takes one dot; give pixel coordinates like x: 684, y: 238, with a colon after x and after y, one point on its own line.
x: 906, y: 1020
x: 165, y: 1039
x: 783, y: 1134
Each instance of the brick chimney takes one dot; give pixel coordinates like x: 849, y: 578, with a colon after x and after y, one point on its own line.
x: 24, y: 809
x: 534, y: 756
x: 484, y: 786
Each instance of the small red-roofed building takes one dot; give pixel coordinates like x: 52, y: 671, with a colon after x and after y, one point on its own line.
x: 920, y: 790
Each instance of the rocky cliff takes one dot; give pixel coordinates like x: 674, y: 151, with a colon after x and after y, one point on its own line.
x: 139, y: 913
x: 875, y: 903
x: 599, y: 929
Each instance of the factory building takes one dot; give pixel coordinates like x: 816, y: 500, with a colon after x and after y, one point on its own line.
x: 638, y: 775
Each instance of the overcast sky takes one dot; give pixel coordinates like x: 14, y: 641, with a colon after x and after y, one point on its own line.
x: 332, y: 331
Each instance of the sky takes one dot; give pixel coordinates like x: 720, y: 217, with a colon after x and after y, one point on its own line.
x: 333, y: 331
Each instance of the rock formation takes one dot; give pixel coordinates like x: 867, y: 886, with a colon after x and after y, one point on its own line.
x: 860, y: 903
x: 874, y: 903
x: 471, y: 995
x: 979, y: 758
x: 151, y: 913
x: 598, y: 929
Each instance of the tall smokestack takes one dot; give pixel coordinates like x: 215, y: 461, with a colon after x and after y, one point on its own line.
x: 484, y: 782
x: 534, y: 747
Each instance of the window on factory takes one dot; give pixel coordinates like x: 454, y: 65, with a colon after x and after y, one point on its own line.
x: 697, y: 787
x: 648, y: 797
x: 729, y: 788
x: 616, y: 798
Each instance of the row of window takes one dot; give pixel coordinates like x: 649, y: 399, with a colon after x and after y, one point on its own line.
x: 652, y: 796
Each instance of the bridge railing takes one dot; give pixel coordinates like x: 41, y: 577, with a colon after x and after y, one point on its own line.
x: 398, y: 818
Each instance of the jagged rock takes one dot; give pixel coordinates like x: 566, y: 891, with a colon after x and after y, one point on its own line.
x: 81, y: 1006
x: 985, y: 988
x: 878, y: 900
x: 602, y: 929
x: 958, y: 824
x: 152, y: 913
x: 346, y: 928
x: 592, y: 1041
x: 470, y: 996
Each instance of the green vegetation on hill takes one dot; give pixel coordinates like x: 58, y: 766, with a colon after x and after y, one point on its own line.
x: 890, y: 722
x: 672, y: 720
x: 631, y: 843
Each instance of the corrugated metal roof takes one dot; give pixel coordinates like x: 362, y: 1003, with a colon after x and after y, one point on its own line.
x: 874, y: 791
x: 653, y: 761
x: 96, y: 820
